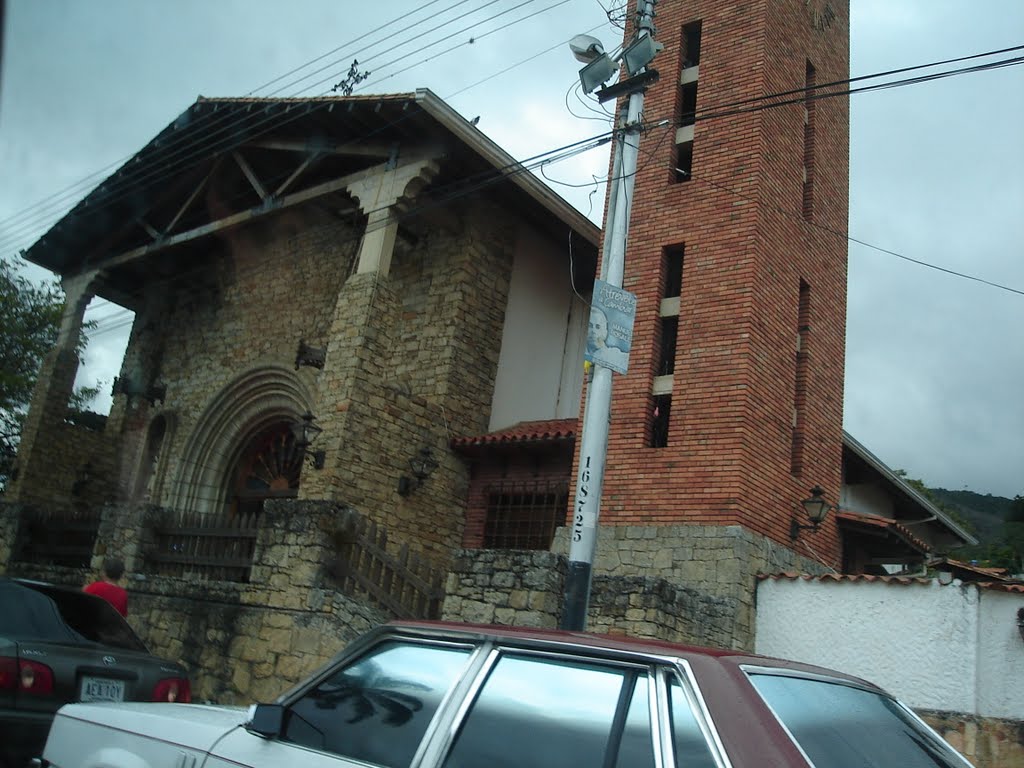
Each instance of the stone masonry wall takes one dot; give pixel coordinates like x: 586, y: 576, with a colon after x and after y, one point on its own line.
x: 710, y: 563
x: 241, y: 642
x: 987, y: 742
x: 526, y: 588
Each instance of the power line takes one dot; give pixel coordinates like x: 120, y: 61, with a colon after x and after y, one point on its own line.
x: 186, y: 142
x: 760, y: 107
x: 123, y: 160
x: 706, y: 113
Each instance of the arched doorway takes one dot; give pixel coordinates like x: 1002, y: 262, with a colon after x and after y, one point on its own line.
x: 269, y: 467
x: 256, y: 404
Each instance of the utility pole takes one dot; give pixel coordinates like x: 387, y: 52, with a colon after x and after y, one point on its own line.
x: 597, y: 411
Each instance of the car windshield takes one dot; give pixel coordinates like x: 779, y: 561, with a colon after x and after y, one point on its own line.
x: 843, y: 726
x: 51, y: 614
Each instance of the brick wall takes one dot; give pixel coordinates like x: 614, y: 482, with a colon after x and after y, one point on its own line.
x: 747, y: 248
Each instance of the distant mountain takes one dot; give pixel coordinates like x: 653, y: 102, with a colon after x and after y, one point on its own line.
x: 986, y: 513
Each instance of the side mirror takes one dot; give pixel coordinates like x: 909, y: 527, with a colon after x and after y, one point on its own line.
x: 267, y: 720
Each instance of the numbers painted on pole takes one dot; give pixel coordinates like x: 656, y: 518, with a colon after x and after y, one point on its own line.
x: 581, y: 500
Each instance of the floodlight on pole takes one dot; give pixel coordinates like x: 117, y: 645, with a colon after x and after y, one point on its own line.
x: 640, y: 53
x: 597, y: 73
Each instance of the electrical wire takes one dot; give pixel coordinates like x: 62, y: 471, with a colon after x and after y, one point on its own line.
x: 265, y: 85
x: 242, y: 112
x: 725, y: 110
x: 758, y: 108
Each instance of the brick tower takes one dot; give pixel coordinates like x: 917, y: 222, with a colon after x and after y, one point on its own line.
x: 732, y: 407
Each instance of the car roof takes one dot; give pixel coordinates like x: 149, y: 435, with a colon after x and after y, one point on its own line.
x: 612, y: 644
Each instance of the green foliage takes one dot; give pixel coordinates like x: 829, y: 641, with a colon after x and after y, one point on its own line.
x: 30, y: 317
x: 1004, y: 546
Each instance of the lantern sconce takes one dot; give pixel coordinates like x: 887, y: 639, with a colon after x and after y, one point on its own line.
x: 1020, y: 622
x: 306, y: 432
x: 816, y: 509
x: 420, y: 466
x: 314, y: 357
x: 131, y: 388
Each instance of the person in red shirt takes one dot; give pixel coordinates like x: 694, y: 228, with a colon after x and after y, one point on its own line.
x: 109, y: 588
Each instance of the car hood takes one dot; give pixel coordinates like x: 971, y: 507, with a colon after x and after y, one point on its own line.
x: 197, y: 726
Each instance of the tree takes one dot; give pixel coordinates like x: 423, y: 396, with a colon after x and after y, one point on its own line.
x: 29, y: 321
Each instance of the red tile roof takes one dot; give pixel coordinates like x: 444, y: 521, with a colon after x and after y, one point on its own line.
x: 903, y: 580
x: 993, y: 573
x: 556, y: 430
x: 884, y: 523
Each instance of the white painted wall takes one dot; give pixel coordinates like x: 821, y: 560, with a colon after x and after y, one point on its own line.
x: 953, y: 648
x: 540, y: 368
x: 866, y: 498
x: 1000, y: 655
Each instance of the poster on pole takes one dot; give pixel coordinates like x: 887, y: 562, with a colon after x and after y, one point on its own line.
x: 610, y: 332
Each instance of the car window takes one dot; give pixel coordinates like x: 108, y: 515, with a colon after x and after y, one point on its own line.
x: 691, y: 747
x: 378, y: 708
x: 546, y: 713
x: 42, y: 612
x: 841, y: 726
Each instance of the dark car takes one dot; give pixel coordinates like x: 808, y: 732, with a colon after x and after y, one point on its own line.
x: 431, y: 695
x: 59, y: 645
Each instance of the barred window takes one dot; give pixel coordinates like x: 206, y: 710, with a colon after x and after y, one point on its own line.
x: 524, y: 515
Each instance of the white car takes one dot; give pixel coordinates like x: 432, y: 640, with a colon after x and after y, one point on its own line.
x: 433, y: 695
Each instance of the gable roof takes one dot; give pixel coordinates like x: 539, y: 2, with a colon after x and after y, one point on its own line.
x: 929, y: 512
x: 143, y: 208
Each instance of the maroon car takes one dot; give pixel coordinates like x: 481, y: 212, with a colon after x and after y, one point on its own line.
x: 434, y: 695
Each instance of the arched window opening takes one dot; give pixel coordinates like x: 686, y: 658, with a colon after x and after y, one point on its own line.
x: 268, y: 468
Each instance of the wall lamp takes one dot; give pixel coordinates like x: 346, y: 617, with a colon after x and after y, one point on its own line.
x: 420, y: 466
x: 1020, y: 622
x: 816, y: 509
x: 131, y: 388
x: 306, y: 432
x: 313, y: 357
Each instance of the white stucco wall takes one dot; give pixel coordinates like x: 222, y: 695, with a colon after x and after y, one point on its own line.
x: 866, y: 498
x: 933, y: 646
x: 1000, y: 655
x: 540, y: 368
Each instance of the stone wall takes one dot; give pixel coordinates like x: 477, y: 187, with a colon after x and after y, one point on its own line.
x: 988, y: 742
x: 709, y: 572
x: 526, y: 588
x: 241, y: 642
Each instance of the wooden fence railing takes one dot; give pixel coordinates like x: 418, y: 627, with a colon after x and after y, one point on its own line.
x: 56, y: 537
x: 405, y: 584
x: 204, y: 547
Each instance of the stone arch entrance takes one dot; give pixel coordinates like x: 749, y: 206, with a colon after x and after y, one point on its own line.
x: 251, y: 408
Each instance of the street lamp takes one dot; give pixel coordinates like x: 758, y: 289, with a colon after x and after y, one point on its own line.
x: 816, y: 509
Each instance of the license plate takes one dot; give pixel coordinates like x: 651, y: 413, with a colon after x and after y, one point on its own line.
x: 100, y: 689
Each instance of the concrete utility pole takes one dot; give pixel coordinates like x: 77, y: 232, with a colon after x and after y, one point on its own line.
x: 597, y: 412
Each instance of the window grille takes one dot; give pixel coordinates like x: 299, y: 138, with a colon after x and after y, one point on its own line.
x: 524, y: 515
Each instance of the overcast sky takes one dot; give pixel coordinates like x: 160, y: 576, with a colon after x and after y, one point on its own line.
x: 935, y: 362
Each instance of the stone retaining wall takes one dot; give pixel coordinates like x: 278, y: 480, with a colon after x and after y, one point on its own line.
x: 709, y: 574
x: 988, y: 742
